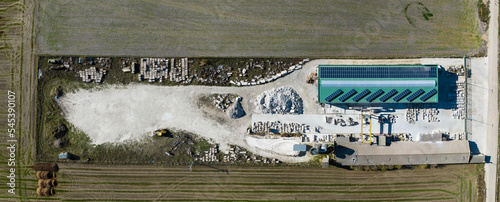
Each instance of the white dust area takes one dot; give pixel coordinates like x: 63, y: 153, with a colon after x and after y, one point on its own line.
x: 282, y: 100
x: 278, y: 146
x: 113, y: 114
x: 118, y: 113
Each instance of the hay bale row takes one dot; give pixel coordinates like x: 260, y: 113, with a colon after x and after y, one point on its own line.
x: 53, y: 167
x: 47, y: 183
x: 45, y: 174
x: 45, y: 191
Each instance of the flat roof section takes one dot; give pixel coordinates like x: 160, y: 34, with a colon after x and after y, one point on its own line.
x: 377, y: 83
x: 377, y: 71
x: 380, y: 81
x: 404, y: 153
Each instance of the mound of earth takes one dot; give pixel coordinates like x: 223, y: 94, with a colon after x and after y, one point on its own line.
x: 282, y: 100
x: 236, y: 111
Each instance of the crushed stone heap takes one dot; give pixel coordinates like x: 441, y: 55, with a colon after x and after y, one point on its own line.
x: 282, y: 100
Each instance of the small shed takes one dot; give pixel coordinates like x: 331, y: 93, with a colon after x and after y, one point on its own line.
x: 299, y: 147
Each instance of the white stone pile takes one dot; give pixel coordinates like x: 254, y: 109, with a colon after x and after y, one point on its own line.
x: 282, y: 100
x: 268, y: 78
x: 92, y: 75
x: 179, y: 72
x: 153, y: 69
x: 278, y: 127
x: 428, y: 111
x: 210, y: 155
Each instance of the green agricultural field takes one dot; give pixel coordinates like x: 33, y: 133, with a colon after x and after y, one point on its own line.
x: 87, y: 182
x: 258, y: 28
x: 16, y: 80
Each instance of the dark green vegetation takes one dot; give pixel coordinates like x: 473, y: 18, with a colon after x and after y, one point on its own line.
x: 280, y: 28
x: 483, y: 11
x: 219, y: 71
x: 84, y: 182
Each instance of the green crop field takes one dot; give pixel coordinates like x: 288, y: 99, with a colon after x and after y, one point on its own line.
x: 279, y: 28
x: 16, y: 80
x: 10, y: 46
x: 86, y: 182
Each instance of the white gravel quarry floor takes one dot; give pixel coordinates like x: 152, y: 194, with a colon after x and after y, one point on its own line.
x: 117, y: 113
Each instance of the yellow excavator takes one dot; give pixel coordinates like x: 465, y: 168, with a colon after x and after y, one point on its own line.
x: 161, y: 133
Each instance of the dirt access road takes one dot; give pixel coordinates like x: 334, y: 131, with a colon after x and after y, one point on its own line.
x: 492, y: 131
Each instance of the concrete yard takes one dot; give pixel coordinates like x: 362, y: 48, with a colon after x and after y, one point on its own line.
x: 446, y: 123
x: 117, y: 113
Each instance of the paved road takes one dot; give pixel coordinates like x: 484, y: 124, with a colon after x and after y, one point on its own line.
x: 492, y: 137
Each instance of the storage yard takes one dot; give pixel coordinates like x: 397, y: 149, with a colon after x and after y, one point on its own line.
x: 280, y: 115
x: 283, y: 112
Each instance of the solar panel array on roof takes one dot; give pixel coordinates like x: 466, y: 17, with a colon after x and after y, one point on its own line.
x: 334, y: 95
x: 361, y: 95
x: 374, y: 95
x: 428, y: 95
x: 388, y: 95
x: 379, y: 83
x: 415, y: 95
x: 347, y: 95
x: 361, y: 72
x: 402, y: 95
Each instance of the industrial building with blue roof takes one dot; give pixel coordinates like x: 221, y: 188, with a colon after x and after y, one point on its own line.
x: 378, y: 84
